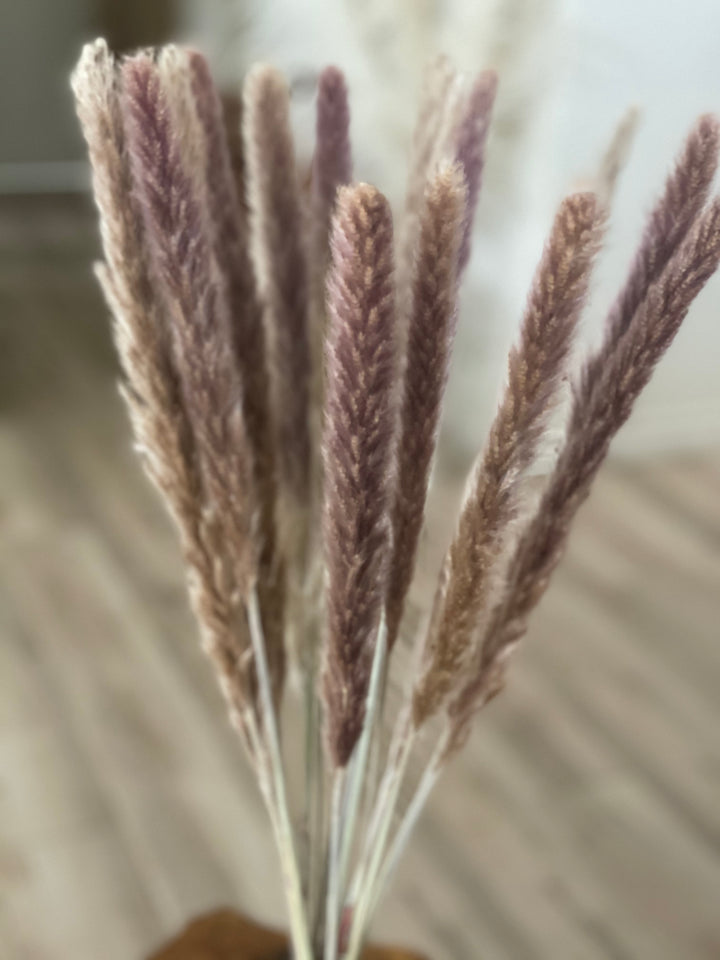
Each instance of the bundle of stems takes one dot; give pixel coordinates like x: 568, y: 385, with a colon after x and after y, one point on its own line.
x: 284, y: 357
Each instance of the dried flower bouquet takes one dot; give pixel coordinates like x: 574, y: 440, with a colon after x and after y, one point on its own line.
x: 284, y: 357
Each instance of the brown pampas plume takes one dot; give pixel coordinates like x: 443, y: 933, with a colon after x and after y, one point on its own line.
x: 229, y: 237
x: 431, y: 328
x: 281, y: 270
x: 152, y: 389
x: 535, y: 370
x: 604, y: 396
x: 357, y: 449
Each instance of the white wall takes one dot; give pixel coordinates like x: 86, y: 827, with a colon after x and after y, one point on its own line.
x: 662, y: 56
x: 569, y: 70
x: 40, y: 144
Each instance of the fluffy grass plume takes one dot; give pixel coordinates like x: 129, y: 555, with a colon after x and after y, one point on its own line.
x: 281, y: 268
x: 357, y: 450
x: 469, y: 148
x: 535, y: 370
x: 181, y: 256
x: 430, y: 333
x: 229, y: 237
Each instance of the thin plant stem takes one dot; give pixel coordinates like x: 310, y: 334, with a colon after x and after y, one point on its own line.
x: 262, y: 770
x: 376, y: 842
x: 310, y: 761
x: 402, y: 730
x: 408, y: 821
x: 373, y: 763
x: 314, y: 787
x: 258, y: 759
x: 333, y: 899
x: 356, y: 779
x: 402, y: 738
x: 314, y: 794
x: 286, y: 843
x: 319, y: 840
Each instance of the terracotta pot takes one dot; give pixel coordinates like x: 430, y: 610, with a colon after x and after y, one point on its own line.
x: 226, y: 935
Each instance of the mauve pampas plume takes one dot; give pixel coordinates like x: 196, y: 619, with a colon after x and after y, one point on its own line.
x: 173, y: 66
x: 331, y: 169
x: 332, y: 161
x: 281, y: 268
x: 426, y: 145
x: 469, y: 148
x: 245, y: 311
x: 452, y: 126
x: 181, y: 256
x: 431, y: 327
x: 357, y: 447
x: 685, y: 193
x: 229, y: 236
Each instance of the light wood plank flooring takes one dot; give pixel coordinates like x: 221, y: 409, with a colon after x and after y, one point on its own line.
x: 582, y: 823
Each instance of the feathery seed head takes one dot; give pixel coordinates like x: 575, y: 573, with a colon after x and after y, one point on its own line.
x: 357, y: 450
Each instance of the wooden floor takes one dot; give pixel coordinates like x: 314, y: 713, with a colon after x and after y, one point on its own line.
x: 583, y: 822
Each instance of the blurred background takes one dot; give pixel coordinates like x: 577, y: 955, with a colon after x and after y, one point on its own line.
x: 584, y: 819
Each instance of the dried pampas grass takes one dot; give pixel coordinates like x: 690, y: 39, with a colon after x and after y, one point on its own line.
x: 284, y: 381
x: 431, y: 328
x: 536, y: 368
x: 357, y: 453
x: 280, y: 261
